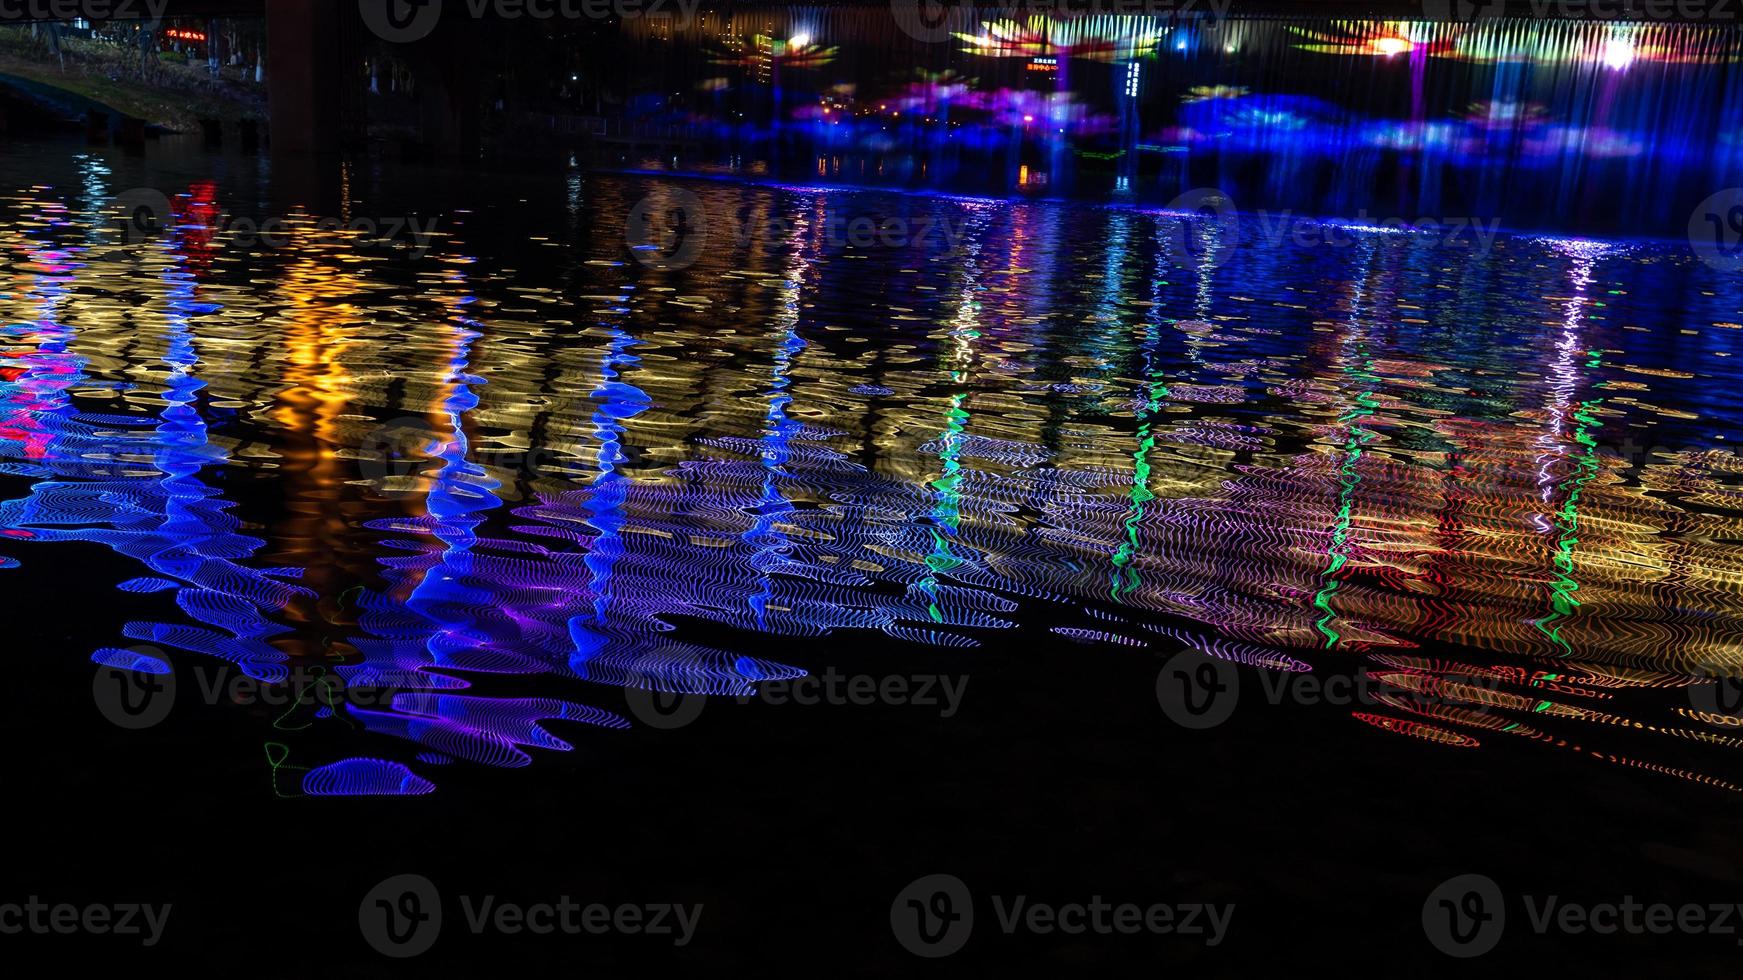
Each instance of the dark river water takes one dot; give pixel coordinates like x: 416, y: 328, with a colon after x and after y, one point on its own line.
x: 1325, y: 542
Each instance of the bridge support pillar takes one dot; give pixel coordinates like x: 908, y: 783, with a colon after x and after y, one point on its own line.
x: 305, y: 73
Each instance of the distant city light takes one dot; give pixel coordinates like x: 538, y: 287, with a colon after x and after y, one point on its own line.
x: 1618, y: 53
x: 1391, y: 45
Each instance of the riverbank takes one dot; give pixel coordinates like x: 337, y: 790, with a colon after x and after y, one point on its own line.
x: 165, y: 94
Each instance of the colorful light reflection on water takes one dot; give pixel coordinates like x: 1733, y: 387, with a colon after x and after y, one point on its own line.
x: 1496, y: 480
x: 1576, y: 125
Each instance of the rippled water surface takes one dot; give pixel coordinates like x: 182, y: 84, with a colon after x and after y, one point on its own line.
x: 465, y: 490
